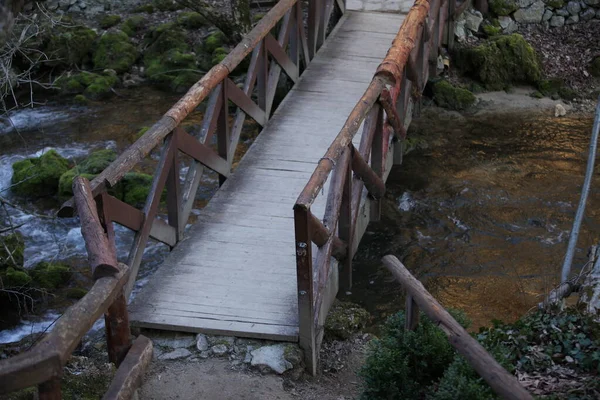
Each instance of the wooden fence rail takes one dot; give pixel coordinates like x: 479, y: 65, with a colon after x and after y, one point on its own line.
x: 503, y: 383
x: 381, y: 112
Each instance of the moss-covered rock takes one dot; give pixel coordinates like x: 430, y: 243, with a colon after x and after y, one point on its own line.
x: 108, y: 21
x: 213, y: 41
x: 134, y: 25
x: 219, y: 55
x: 115, y: 52
x: 80, y: 100
x: 191, y: 20
x: 448, y: 96
x: 556, y: 4
x: 168, y: 60
x: 145, y: 8
x: 89, y: 168
x: 70, y: 46
x: 556, y: 88
x: 491, y: 30
x: 16, y: 278
x: 134, y: 188
x: 500, y: 62
x: 75, y: 293
x: 50, y: 276
x: 344, y: 319
x: 12, y: 251
x: 39, y: 176
x: 595, y: 67
x: 503, y: 7
x: 93, y: 86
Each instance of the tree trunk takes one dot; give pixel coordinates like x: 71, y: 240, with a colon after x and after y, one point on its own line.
x: 232, y: 17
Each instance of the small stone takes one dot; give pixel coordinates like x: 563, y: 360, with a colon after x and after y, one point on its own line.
x: 460, y: 31
x: 205, y: 354
x: 201, y: 342
x: 220, y: 350
x: 557, y: 21
x: 82, y: 4
x: 248, y: 358
x: 74, y: 9
x: 583, y: 5
x: 573, y: 7
x: 472, y: 20
x: 593, y: 3
x: 228, y: 341
x: 176, y: 354
x: 547, y: 15
x: 181, y: 342
x: 562, y: 12
x: 559, y: 111
x: 573, y: 19
x: 525, y: 3
x: 531, y: 15
x: 504, y: 22
x: 588, y: 14
x: 271, y: 358
x: 63, y: 4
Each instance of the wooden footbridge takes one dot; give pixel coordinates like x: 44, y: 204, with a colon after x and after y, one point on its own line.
x: 267, y: 255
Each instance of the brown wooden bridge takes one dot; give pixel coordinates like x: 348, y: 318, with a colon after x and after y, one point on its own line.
x: 267, y: 255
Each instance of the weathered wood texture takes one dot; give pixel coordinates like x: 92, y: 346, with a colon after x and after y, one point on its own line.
x: 503, y: 383
x: 235, y: 272
x: 129, y: 375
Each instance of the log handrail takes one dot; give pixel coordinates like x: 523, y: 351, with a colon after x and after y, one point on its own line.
x: 381, y: 111
x: 502, y: 382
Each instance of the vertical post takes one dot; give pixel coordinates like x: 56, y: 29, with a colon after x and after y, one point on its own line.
x: 322, y: 28
x: 223, y: 127
x: 306, y: 303
x: 118, y: 335
x: 377, y: 162
x: 174, y: 193
x: 50, y: 390
x: 412, y: 314
x: 451, y: 24
x: 262, y: 78
x: 294, y: 39
x: 313, y: 26
x: 345, y: 227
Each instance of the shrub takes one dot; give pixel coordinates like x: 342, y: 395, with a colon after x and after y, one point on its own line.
x: 108, y: 21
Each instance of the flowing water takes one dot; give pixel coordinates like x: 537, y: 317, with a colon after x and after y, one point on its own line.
x: 481, y: 211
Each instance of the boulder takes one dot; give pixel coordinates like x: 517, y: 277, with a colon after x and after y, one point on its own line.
x: 272, y: 358
x: 557, y: 21
x: 531, y: 15
x: 503, y: 7
x: 559, y: 110
x: 547, y: 15
x: 345, y: 319
x: 39, y: 176
x: 473, y: 20
x: 508, y: 25
x: 562, y: 12
x: 588, y: 14
x: 88, y: 168
x: 51, y: 276
x: 115, y: 52
x: 573, y: 7
x: 573, y: 19
x: 460, y: 30
x: 70, y: 46
x: 201, y: 342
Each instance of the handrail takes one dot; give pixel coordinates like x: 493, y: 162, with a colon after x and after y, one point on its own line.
x: 382, y: 112
x: 503, y: 383
x: 43, y: 364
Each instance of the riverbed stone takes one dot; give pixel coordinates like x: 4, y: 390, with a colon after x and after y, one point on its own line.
x: 175, y: 354
x: 557, y: 21
x: 201, y: 342
x: 547, y: 15
x: 271, y: 358
x: 38, y: 176
x: 562, y: 12
x: 573, y: 19
x: 588, y: 14
x: 95, y: 163
x: 573, y: 7
x: 531, y: 15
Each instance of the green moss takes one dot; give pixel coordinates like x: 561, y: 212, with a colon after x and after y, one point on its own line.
x: 537, y: 95
x: 146, y: 8
x: 115, y: 51
x: 500, y: 62
x: 89, y: 168
x: 76, y: 293
x: 447, y: 96
x: 38, y: 177
x: 134, y: 24
x: 345, y: 319
x: 191, y: 20
x: 555, y: 88
x: 219, y: 55
x: 567, y: 93
x: 168, y: 60
x: 70, y: 46
x: 134, y: 188
x: 51, y: 276
x: 213, y: 41
x: 16, y: 246
x: 503, y: 7
x: 492, y: 30
x: 166, y: 5
x: 555, y: 3
x: 16, y: 278
x: 108, y: 21
x: 30, y: 393
x: 595, y: 67
x: 257, y: 17
x: 94, y: 86
x: 80, y: 100
x: 141, y: 132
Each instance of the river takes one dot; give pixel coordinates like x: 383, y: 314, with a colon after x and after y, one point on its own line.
x: 480, y: 210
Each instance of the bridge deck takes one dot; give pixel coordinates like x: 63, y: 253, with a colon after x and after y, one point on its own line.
x: 235, y: 273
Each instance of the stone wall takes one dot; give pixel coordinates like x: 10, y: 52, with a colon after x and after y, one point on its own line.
x: 551, y: 13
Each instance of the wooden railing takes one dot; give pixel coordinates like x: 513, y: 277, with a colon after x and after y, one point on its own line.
x: 417, y: 297
x: 290, y: 51
x: 43, y: 364
x: 382, y: 112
